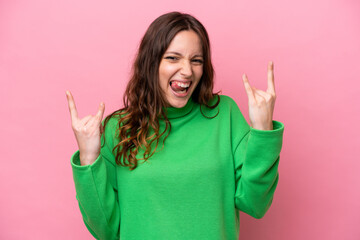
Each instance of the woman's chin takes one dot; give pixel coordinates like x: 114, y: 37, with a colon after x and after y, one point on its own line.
x: 178, y: 102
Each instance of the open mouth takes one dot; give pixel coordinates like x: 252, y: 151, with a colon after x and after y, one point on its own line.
x: 180, y: 87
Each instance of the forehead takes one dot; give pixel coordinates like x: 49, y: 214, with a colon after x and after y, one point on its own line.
x: 186, y: 42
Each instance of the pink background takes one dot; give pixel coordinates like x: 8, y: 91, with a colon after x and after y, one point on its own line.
x: 47, y: 47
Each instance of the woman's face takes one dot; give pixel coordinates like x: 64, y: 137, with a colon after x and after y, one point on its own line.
x: 181, y: 68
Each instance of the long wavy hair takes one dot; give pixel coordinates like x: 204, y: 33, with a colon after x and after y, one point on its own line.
x: 144, y: 102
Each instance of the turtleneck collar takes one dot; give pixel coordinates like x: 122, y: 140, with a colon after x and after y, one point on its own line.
x: 173, y: 112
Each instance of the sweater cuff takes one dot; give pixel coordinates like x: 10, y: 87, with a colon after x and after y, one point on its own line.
x: 76, y: 165
x: 278, y: 129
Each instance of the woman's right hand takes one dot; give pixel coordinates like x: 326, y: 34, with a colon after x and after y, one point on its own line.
x: 87, y: 131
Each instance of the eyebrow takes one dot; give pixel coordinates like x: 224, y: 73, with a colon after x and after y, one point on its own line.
x: 176, y: 53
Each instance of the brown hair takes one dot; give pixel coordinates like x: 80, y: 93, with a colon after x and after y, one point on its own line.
x: 143, y: 100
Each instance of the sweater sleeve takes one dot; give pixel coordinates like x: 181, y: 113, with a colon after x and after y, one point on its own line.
x: 96, y: 191
x: 256, y: 159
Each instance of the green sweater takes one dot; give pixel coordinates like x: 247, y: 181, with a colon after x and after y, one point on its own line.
x: 192, y: 188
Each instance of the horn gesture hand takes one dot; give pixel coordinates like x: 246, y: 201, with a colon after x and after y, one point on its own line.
x: 261, y: 104
x: 87, y: 131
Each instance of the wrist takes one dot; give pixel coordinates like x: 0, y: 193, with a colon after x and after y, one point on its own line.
x: 87, y: 160
x: 263, y: 127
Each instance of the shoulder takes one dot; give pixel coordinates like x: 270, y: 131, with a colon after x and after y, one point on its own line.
x: 225, y: 108
x: 227, y: 104
x: 111, y: 125
x: 230, y: 107
x: 239, y: 125
x: 226, y: 100
x: 111, y: 120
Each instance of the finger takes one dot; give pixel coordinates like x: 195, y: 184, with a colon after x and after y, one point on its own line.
x: 271, y: 81
x: 90, y: 124
x: 72, y: 107
x: 81, y: 125
x: 261, y: 93
x: 101, y: 111
x: 85, y: 120
x: 96, y: 120
x: 248, y: 88
x: 259, y: 97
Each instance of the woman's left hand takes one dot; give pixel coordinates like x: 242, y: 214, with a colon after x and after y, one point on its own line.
x: 261, y: 104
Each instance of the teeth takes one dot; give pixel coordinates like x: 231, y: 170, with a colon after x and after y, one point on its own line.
x: 180, y: 84
x: 184, y: 85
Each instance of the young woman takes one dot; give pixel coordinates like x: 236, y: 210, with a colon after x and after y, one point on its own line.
x: 178, y: 161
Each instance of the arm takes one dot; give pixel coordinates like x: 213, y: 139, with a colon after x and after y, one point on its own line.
x: 96, y: 191
x: 256, y: 159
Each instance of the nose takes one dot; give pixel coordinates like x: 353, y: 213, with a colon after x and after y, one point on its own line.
x: 186, y: 69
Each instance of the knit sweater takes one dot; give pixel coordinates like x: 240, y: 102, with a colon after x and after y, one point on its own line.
x: 192, y: 187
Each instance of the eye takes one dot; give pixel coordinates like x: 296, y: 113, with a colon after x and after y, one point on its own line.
x: 171, y: 58
x: 199, y: 61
